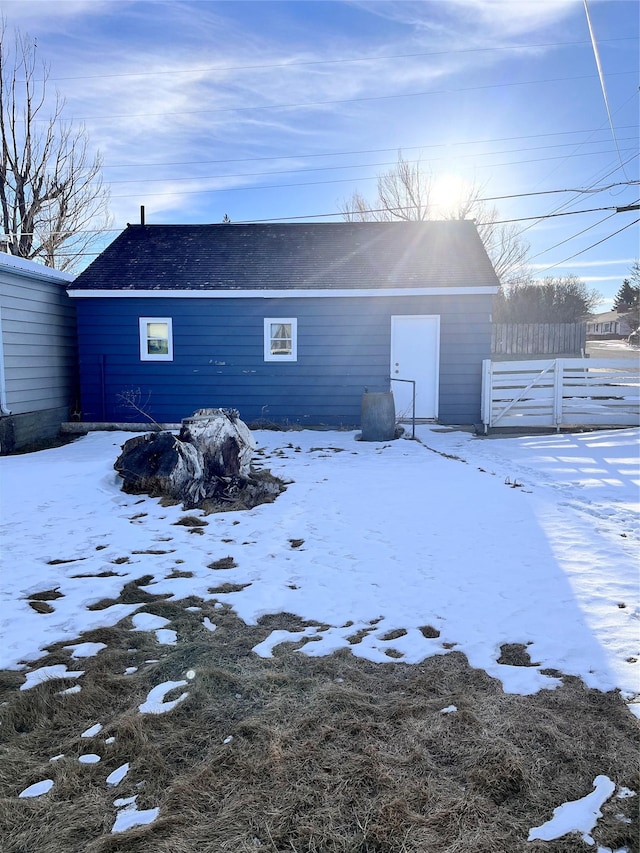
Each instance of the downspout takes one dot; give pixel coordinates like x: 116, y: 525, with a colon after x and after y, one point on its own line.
x: 102, y: 389
x: 4, y: 410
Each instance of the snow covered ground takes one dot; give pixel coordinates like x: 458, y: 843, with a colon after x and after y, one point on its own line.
x: 613, y: 349
x: 528, y: 540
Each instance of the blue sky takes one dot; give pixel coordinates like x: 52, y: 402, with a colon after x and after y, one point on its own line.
x: 270, y: 110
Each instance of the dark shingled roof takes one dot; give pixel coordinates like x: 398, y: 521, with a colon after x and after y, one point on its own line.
x: 300, y: 256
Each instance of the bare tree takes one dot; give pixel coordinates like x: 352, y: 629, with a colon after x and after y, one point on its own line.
x: 51, y: 191
x: 406, y: 192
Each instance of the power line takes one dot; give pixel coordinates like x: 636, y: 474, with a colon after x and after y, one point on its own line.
x: 570, y: 201
x: 336, y: 168
x: 600, y: 177
x: 258, y: 221
x: 573, y: 237
x: 225, y: 68
x: 308, y: 104
x: 596, y: 179
x: 254, y: 187
x: 413, y: 207
x: 584, y: 230
x: 547, y: 216
x: 368, y: 150
x: 309, y: 216
x: 592, y: 246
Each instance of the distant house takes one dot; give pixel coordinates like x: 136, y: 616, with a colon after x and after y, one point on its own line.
x: 610, y: 324
x: 38, y: 354
x: 288, y: 323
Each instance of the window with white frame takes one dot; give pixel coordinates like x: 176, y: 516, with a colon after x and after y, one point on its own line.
x: 156, y: 339
x: 280, y: 339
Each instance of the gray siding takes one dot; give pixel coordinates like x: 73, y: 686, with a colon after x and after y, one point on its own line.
x: 39, y: 343
x: 343, y: 348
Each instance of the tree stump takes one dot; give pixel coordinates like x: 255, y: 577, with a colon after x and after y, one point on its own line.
x: 208, y: 462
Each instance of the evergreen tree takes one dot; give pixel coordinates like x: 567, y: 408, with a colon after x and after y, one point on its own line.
x: 626, y: 297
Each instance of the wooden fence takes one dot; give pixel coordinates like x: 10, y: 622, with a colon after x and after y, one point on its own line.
x: 560, y: 392
x: 538, y: 339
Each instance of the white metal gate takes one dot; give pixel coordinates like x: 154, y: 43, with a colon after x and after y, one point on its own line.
x: 560, y: 392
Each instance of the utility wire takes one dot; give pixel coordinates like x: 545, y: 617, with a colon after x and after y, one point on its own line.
x: 596, y: 179
x: 547, y: 216
x: 546, y: 269
x: 254, y: 187
x: 308, y: 104
x: 573, y: 237
x: 413, y: 207
x: 570, y: 201
x: 592, y: 246
x: 224, y: 68
x: 309, y: 216
x: 341, y: 168
x: 369, y: 150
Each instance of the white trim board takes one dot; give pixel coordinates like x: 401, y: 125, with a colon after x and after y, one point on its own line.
x: 283, y: 294
x: 4, y: 409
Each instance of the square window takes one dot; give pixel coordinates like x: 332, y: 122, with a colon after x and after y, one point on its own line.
x: 156, y: 339
x: 280, y: 339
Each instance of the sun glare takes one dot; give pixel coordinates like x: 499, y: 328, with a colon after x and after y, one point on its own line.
x: 448, y: 192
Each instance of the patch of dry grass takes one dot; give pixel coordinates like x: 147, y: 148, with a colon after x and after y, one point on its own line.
x: 223, y: 563
x: 41, y: 606
x: 191, y: 521
x: 46, y: 595
x: 328, y: 755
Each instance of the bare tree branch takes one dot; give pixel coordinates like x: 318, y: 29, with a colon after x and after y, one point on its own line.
x: 51, y: 190
x: 406, y: 192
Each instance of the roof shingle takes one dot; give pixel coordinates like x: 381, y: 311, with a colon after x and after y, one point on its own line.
x: 292, y: 256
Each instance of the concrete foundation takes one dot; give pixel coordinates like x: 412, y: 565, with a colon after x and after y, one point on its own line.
x: 17, y: 431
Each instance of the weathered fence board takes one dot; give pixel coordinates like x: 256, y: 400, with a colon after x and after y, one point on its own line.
x: 538, y: 338
x: 560, y: 392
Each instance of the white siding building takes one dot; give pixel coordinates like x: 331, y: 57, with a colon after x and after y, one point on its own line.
x: 611, y: 324
x: 38, y: 352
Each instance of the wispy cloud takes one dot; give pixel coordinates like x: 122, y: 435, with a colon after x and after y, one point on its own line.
x: 591, y: 279
x: 471, y: 22
x: 39, y: 15
x: 169, y: 91
x: 616, y: 262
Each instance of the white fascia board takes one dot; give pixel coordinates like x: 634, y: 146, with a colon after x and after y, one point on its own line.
x: 283, y: 294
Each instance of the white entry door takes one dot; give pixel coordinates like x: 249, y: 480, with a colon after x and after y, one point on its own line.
x: 415, y: 354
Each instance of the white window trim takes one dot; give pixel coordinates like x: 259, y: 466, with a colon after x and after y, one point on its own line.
x: 142, y: 326
x: 268, y: 355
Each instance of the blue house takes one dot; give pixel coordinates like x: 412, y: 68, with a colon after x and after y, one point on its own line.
x: 287, y: 323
